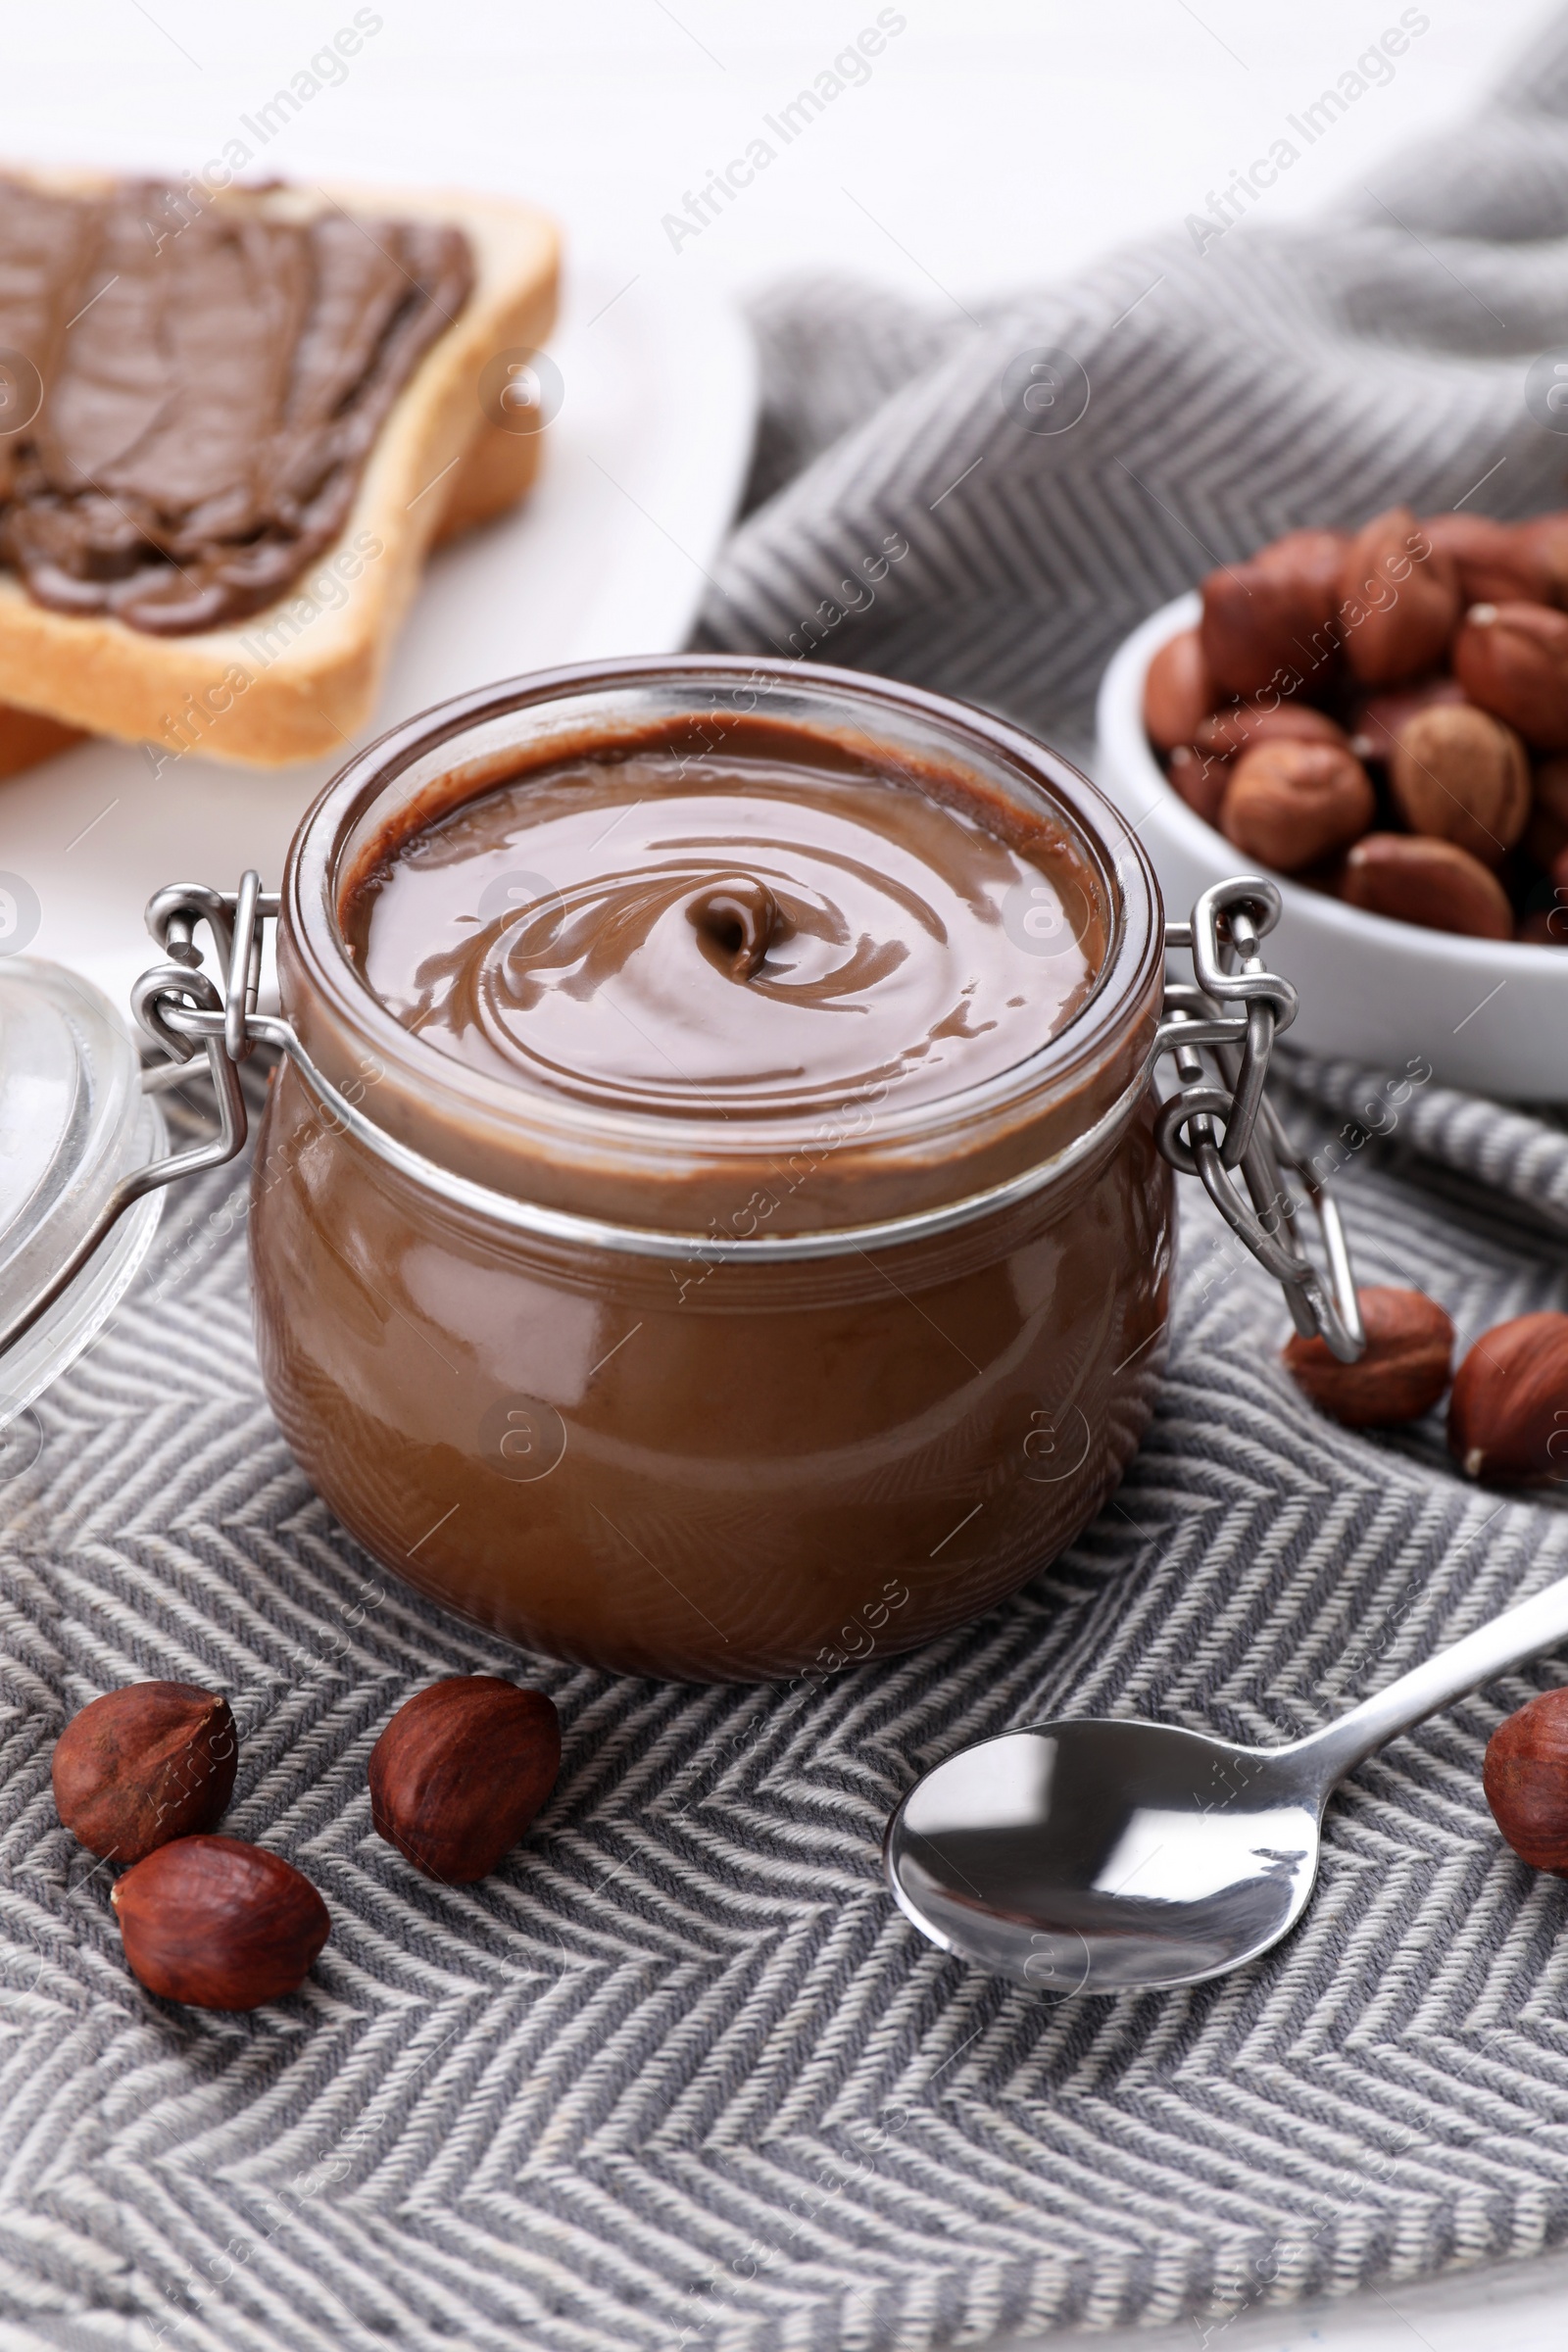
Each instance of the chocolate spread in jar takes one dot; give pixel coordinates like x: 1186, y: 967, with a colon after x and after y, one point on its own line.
x: 763, y: 933
x: 680, y: 1463
x: 206, y: 379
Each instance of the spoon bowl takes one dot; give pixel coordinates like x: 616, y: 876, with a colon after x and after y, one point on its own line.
x: 1093, y: 1856
x: 1086, y: 1856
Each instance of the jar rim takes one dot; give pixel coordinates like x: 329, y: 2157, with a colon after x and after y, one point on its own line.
x: 583, y: 1157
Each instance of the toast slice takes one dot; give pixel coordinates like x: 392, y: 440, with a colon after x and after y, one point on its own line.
x: 27, y: 740
x: 498, y: 470
x: 294, y: 680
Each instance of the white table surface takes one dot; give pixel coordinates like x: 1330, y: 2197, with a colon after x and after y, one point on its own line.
x: 995, y: 141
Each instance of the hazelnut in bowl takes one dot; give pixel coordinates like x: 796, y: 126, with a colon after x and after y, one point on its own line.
x: 1379, y: 719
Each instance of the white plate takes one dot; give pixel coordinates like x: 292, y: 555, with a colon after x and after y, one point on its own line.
x: 643, y: 469
x: 1488, y: 1014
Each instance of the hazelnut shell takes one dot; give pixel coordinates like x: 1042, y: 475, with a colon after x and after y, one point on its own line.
x: 1497, y: 563
x: 1525, y: 1776
x: 1377, y: 718
x: 1545, y: 536
x: 460, y: 1771
x: 1399, y: 600
x: 1512, y: 659
x: 143, y: 1765
x: 1269, y: 622
x: 1312, y: 559
x: 1433, y: 883
x: 1200, y: 780
x: 1235, y: 729
x: 1458, y: 774
x: 1292, y: 804
x: 1508, y: 1414
x: 219, y: 1924
x: 1404, y: 1370
x: 1178, y: 692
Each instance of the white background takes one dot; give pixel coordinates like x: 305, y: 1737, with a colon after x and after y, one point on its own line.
x: 996, y: 141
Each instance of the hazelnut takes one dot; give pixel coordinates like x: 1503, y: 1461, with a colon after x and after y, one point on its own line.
x: 143, y: 1765
x: 1547, y: 833
x: 1512, y: 659
x: 1434, y: 883
x: 1404, y: 1370
x: 1379, y: 719
x: 1547, y: 538
x: 1200, y: 770
x: 1313, y: 560
x: 219, y: 1924
x: 1225, y: 733
x: 1508, y: 1414
x: 1178, y: 692
x: 1458, y: 774
x: 460, y: 1771
x: 1497, y: 563
x: 1399, y: 599
x: 1290, y: 804
x: 1525, y: 1776
x: 1272, y: 620
x: 1200, y: 778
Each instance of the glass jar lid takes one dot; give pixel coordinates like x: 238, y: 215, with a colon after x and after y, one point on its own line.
x: 73, y: 1121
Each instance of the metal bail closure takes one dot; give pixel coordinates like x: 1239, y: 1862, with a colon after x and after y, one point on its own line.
x: 1207, y: 1129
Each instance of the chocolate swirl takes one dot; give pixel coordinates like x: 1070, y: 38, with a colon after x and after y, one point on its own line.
x: 751, y: 938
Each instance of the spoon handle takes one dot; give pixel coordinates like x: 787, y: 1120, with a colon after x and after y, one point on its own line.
x: 1535, y: 1624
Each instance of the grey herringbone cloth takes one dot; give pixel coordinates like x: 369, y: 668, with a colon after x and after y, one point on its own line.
x: 679, y: 2073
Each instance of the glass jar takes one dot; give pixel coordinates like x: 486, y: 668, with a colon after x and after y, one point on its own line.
x: 600, y: 1430
x: 729, y: 1398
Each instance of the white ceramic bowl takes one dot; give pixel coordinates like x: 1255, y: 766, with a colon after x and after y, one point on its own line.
x: 1487, y: 1014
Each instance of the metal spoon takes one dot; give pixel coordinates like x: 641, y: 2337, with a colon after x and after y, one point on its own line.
x: 1094, y: 1857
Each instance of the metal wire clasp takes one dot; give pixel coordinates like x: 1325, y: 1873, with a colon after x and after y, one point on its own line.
x: 1207, y: 1129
